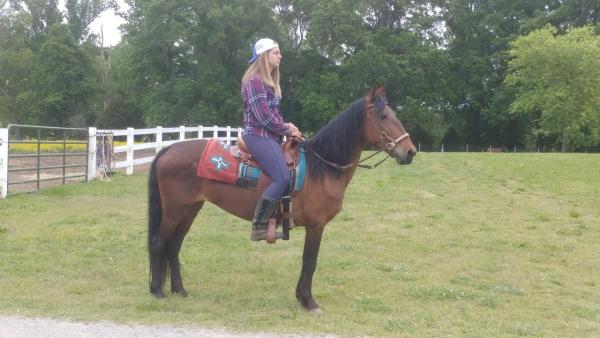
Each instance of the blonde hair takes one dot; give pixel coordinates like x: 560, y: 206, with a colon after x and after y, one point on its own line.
x: 261, y: 67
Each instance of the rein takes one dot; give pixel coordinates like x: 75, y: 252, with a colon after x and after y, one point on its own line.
x: 342, y: 167
x: 383, y: 135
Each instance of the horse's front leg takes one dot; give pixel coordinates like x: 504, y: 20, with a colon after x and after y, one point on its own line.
x: 312, y: 243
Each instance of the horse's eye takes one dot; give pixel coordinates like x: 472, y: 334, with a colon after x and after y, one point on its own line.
x: 382, y: 116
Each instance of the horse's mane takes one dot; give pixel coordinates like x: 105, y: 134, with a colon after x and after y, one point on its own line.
x: 336, y: 142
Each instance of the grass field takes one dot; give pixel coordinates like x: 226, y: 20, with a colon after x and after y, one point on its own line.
x: 464, y: 245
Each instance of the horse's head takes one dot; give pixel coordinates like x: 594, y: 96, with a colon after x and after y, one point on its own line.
x: 384, y: 130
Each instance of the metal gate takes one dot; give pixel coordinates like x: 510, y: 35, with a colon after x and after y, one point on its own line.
x: 37, y: 157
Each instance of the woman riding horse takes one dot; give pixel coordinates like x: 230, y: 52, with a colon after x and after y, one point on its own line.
x: 263, y: 129
x: 176, y: 193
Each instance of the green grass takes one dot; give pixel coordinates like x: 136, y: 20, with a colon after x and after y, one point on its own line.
x: 466, y: 245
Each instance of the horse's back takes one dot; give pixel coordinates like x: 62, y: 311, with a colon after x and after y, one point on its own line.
x: 176, y: 171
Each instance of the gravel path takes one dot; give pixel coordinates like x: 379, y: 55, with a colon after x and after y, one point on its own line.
x: 17, y: 327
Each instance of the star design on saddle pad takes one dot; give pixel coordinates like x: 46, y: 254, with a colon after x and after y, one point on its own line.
x: 219, y: 162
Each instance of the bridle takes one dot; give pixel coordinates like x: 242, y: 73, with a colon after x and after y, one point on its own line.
x: 385, y: 146
x: 384, y: 135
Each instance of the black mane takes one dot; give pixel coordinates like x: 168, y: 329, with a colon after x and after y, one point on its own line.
x: 336, y: 142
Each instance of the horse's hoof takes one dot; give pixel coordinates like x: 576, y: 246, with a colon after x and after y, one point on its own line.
x: 182, y: 293
x: 312, y: 308
x: 316, y: 311
x: 159, y: 294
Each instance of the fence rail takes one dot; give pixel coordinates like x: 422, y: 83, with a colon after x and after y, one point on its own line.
x: 162, y: 137
x: 3, y: 162
x: 145, y: 139
x: 27, y: 170
x: 133, y: 139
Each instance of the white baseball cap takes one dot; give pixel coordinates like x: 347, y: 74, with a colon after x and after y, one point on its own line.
x: 260, y: 47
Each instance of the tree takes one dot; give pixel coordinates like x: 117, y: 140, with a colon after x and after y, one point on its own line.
x: 479, y: 36
x: 189, y: 56
x: 557, y: 82
x: 16, y: 71
x: 365, y: 42
x: 48, y: 72
x: 66, y: 81
x: 81, y: 13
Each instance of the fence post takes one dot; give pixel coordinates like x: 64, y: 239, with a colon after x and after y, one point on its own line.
x: 158, y: 139
x: 442, y: 147
x: 130, y: 144
x: 239, y: 134
x: 3, y: 162
x: 228, y: 135
x: 92, y: 147
x: 181, y: 133
x: 215, y: 132
x: 200, y: 131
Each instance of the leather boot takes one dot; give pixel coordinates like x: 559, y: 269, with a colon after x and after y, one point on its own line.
x: 264, y: 210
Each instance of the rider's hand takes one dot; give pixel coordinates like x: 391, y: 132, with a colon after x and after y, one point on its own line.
x: 293, y: 130
x: 297, y: 134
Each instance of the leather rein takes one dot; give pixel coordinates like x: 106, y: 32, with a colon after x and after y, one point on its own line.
x: 386, y: 146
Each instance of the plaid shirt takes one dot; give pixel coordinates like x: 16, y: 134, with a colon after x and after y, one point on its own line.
x: 261, y: 110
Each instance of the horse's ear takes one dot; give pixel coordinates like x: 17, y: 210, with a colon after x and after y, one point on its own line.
x: 377, y: 90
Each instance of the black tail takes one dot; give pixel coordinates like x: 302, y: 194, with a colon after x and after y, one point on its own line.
x: 155, y: 249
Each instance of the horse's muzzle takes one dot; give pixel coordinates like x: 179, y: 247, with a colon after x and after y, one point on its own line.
x: 404, y: 157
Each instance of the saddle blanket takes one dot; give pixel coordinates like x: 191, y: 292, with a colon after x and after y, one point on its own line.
x: 217, y: 163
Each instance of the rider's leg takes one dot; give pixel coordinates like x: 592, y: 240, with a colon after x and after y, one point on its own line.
x: 268, y: 154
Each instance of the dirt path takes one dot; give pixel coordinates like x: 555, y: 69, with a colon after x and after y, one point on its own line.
x: 17, y: 327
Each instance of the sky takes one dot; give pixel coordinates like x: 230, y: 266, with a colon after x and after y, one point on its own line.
x: 109, y: 23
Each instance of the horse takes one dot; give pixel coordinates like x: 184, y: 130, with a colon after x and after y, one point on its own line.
x: 176, y: 194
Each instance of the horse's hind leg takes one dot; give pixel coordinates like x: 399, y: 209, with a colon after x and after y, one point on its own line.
x: 158, y: 266
x: 174, y: 246
x: 159, y: 259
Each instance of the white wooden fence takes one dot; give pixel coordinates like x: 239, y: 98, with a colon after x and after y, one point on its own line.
x: 3, y: 162
x: 181, y: 133
x: 162, y: 137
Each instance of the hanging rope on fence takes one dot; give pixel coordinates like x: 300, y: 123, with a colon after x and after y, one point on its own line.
x: 105, y: 155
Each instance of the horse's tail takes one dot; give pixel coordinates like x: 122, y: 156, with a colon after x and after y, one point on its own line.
x: 155, y: 248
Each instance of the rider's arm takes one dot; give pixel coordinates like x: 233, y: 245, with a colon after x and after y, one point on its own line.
x: 259, y: 107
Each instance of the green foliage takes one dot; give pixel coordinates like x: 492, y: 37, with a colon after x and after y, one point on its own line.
x: 48, y: 74
x: 66, y: 79
x: 16, y: 87
x: 481, y: 32
x: 81, y: 13
x: 188, y: 58
x: 557, y: 80
x: 444, y: 63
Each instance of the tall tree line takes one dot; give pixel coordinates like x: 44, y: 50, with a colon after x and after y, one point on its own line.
x: 456, y: 71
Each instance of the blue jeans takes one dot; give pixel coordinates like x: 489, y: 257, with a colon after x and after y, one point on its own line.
x: 268, y: 154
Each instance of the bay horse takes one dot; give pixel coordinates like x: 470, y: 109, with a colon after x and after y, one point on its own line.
x: 176, y: 193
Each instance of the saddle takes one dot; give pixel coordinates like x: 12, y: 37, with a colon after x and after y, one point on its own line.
x: 291, y: 153
x: 290, y: 150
